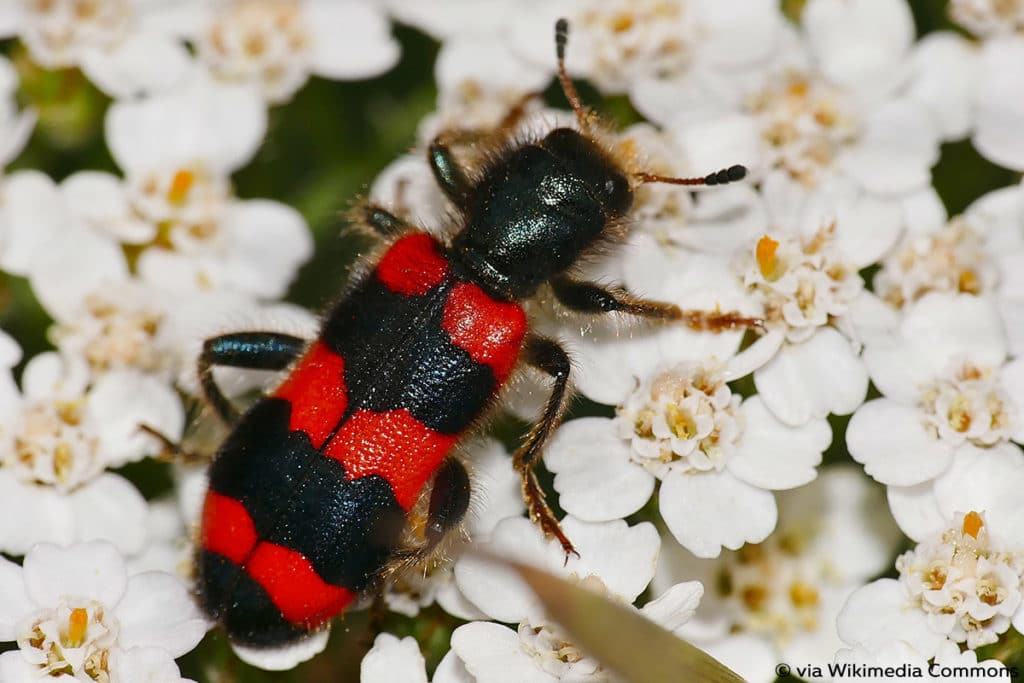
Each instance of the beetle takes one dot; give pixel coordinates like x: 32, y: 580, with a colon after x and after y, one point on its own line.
x: 314, y: 494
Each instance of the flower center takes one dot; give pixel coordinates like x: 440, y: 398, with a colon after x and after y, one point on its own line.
x: 804, y: 123
x: 801, y: 284
x: 74, y: 640
x: 263, y: 40
x: 967, y: 404
x: 185, y: 203
x: 969, y: 587
x: 951, y: 260
x: 113, y: 335
x: 988, y: 17
x: 54, y: 446
x: 686, y: 417
x: 774, y: 588
x: 58, y: 30
x: 636, y: 37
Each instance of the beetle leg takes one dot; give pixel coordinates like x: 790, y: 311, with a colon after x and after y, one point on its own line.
x: 449, y: 500
x: 449, y: 174
x: 588, y: 297
x: 548, y: 357
x: 379, y: 221
x: 250, y: 350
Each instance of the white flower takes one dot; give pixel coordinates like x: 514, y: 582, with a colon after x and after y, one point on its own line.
x: 804, y: 368
x: 962, y: 583
x: 946, y: 387
x: 108, y: 39
x: 777, y: 600
x: 177, y: 151
x: 980, y: 252
x: 276, y: 45
x: 76, y: 614
x: 60, y: 436
x: 685, y: 427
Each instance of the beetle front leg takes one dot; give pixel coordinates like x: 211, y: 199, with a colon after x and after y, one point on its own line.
x: 548, y: 357
x: 589, y: 297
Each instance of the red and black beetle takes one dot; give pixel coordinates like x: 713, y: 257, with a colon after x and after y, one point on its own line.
x: 311, y: 493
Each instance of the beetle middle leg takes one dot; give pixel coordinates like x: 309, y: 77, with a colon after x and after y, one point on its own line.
x: 551, y: 359
x: 588, y: 297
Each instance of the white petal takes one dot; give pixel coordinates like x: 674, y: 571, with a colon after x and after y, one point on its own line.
x: 122, y: 401
x: 145, y: 665
x: 33, y: 214
x: 82, y: 263
x: 209, y: 122
x: 855, y: 529
x: 916, y: 510
x: 140, y: 63
x: 999, y: 112
x: 31, y: 514
x: 452, y: 670
x: 714, y: 509
x: 881, y: 611
x: 93, y: 571
x: 100, y: 199
x: 676, y: 606
x: 14, y: 601
x: 1011, y: 377
x: 859, y: 42
x: 112, y: 509
x: 945, y: 79
x: 285, y: 657
x: 746, y: 654
x: 350, y: 40
x: 157, y: 610
x: 391, y: 659
x: 268, y: 241
x: 819, y: 376
x: 775, y: 456
x: 497, y: 491
x: 594, y: 477
x: 493, y: 653
x: 720, y: 142
x: 890, y: 440
x: 986, y: 480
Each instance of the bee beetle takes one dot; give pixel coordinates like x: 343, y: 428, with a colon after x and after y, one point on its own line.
x: 312, y: 495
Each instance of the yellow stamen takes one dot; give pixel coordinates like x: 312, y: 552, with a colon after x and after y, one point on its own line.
x: 803, y: 595
x: 180, y: 185
x: 77, y: 624
x: 972, y: 524
x: 766, y: 260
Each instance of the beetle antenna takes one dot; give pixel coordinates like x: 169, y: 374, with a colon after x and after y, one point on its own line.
x: 561, y: 40
x: 726, y: 175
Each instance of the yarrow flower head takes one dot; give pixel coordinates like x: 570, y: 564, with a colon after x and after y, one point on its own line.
x: 777, y: 599
x: 952, y: 260
x: 962, y: 583
x: 969, y: 586
x: 686, y: 419
x: 76, y: 614
x: 685, y: 427
x: 802, y: 283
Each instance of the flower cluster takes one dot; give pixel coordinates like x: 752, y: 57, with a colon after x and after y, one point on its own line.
x: 714, y: 478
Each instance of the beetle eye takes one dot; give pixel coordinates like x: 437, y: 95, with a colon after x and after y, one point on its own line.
x: 619, y: 198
